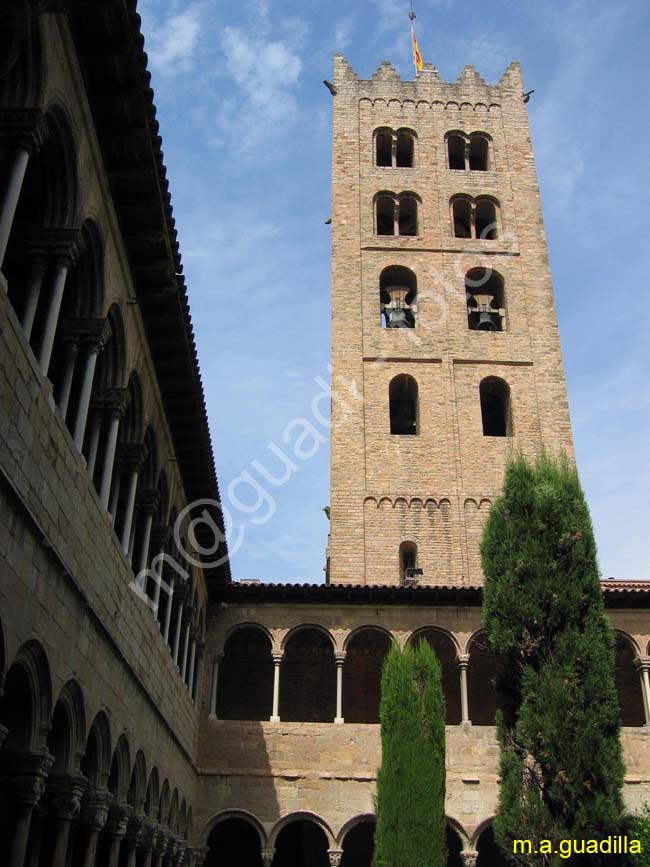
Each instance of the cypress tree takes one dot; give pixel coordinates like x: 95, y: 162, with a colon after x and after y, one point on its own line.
x: 411, y: 781
x: 558, y: 725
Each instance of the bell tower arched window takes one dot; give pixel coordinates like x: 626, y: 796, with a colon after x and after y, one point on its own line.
x: 398, y: 297
x: 394, y: 148
x: 475, y: 218
x: 496, y: 413
x: 485, y: 300
x: 403, y: 399
x: 408, y: 562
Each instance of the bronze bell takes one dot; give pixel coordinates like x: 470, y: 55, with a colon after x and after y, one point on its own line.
x: 486, y: 322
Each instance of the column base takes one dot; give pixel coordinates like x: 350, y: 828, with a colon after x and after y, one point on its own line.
x: 275, y: 719
x: 212, y: 716
x: 338, y: 720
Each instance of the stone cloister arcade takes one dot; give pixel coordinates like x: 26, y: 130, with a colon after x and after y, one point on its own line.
x: 308, y: 674
x: 306, y: 840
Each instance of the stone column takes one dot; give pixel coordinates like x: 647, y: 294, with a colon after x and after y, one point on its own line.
x: 39, y: 818
x: 130, y: 457
x: 267, y: 857
x: 64, y: 793
x: 187, y: 625
x: 93, y: 441
x: 60, y: 246
x: 134, y: 836
x: 214, y: 685
x: 277, y: 662
x: 643, y: 667
x: 112, y: 402
x: 160, y: 539
x: 179, y: 854
x: 168, y: 610
x: 194, y: 634
x: 469, y: 859
x: 148, y: 843
x: 118, y: 819
x: 339, y: 658
x: 146, y: 501
x: 94, y: 335
x: 335, y: 856
x: 94, y: 815
x: 71, y: 342
x: 25, y: 775
x: 179, y: 594
x: 194, y: 685
x: 33, y: 293
x: 160, y: 848
x: 463, y: 662
x: 26, y: 131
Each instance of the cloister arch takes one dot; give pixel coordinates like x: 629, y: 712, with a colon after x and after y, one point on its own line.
x: 489, y: 854
x: 366, y: 648
x: 358, y: 841
x: 138, y: 785
x: 95, y: 764
x: 481, y: 672
x: 152, y: 796
x: 446, y: 649
x: 247, y: 658
x: 308, y: 679
x: 299, y: 837
x: 165, y: 802
x: 26, y: 706
x: 234, y: 840
x: 626, y: 677
x: 120, y: 772
x: 67, y: 737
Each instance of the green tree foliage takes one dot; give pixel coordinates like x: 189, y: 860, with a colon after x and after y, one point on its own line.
x: 411, y: 781
x: 561, y: 763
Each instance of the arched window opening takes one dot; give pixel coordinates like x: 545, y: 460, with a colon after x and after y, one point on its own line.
x: 485, y: 300
x: 454, y: 848
x: 409, y: 572
x: 385, y: 224
x: 445, y: 650
x: 384, y: 148
x: 234, y: 841
x: 486, y: 220
x: 301, y: 843
x: 496, y: 413
x: 16, y: 709
x: 456, y: 152
x: 403, y: 398
x: 398, y: 297
x: 308, y: 678
x: 462, y: 212
x: 408, y: 216
x: 362, y: 671
x: 479, y: 153
x: 247, y: 660
x: 628, y: 685
x: 481, y: 673
x: 489, y: 854
x: 405, y: 149
x: 359, y: 845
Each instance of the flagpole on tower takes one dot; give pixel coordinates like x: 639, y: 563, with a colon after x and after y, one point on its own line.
x: 417, y: 57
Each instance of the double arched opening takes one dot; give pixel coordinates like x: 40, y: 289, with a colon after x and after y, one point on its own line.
x: 397, y: 214
x: 477, y: 219
x: 394, y: 148
x: 468, y: 152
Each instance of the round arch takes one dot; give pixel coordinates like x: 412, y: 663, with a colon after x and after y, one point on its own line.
x: 481, y: 672
x: 352, y: 633
x: 447, y: 649
x: 67, y: 737
x: 138, y: 783
x: 246, y: 624
x: 163, y: 809
x: 301, y: 627
x: 626, y: 677
x: 308, y: 676
x: 224, y: 815
x: 96, y: 763
x: 352, y: 823
x: 366, y: 649
x: 26, y: 706
x: 301, y: 816
x: 120, y: 772
x: 247, y: 658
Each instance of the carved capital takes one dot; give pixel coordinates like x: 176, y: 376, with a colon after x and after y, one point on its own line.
x: 642, y: 663
x: 463, y: 660
x: 149, y: 836
x: 64, y: 793
x: 91, y: 334
x: 135, y: 830
x: 339, y: 656
x: 60, y: 246
x: 469, y: 858
x: 118, y: 820
x: 111, y: 402
x: 94, y: 809
x: 147, y: 499
x: 160, y: 538
x: 335, y: 856
x: 162, y: 842
x: 23, y: 127
x: 267, y: 857
x: 179, y: 854
x: 130, y: 456
x: 277, y: 658
x: 25, y: 773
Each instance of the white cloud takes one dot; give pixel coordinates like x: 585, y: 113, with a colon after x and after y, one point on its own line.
x: 172, y: 43
x: 343, y: 32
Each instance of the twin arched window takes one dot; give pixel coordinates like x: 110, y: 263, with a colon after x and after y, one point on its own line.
x: 396, y: 214
x: 468, y: 152
x: 395, y: 148
x: 475, y: 218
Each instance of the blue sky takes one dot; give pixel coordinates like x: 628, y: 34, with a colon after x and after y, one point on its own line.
x: 245, y: 122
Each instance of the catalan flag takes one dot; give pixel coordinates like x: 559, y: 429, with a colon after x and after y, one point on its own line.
x: 417, y: 57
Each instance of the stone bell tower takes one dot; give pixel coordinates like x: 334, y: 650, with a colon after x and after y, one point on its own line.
x: 445, y: 344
